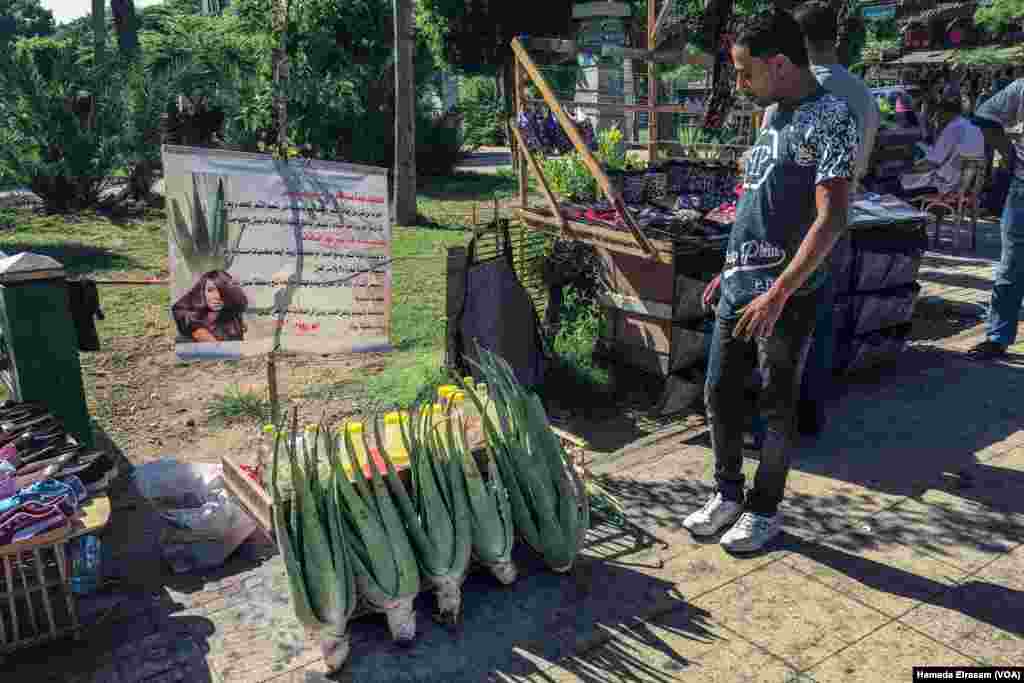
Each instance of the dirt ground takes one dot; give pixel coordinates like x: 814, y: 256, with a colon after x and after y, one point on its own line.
x: 152, y: 405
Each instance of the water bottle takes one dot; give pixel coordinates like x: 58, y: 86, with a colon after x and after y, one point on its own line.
x: 85, y: 565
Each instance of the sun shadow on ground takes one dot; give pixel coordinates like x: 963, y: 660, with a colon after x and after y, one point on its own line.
x: 76, y: 257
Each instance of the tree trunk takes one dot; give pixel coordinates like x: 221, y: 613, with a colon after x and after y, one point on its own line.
x: 405, y: 115
x: 715, y: 24
x: 99, y: 27
x: 126, y: 25
x: 279, y: 66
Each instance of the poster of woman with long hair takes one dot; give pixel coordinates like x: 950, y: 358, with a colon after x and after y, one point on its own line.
x: 272, y: 256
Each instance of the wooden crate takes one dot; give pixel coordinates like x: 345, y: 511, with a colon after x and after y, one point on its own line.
x: 36, y: 602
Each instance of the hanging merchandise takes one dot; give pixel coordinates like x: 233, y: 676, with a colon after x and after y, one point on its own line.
x: 84, y: 304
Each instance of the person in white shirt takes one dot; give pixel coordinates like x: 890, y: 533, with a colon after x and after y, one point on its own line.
x: 940, y: 170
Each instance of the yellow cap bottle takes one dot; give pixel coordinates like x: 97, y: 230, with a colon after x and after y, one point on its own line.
x: 445, y: 391
x: 393, y: 442
x: 355, y: 434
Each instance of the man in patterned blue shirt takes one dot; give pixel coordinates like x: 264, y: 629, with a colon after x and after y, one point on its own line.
x: 1001, y: 112
x: 792, y: 212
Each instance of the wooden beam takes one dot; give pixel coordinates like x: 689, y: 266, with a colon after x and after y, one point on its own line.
x: 652, y: 89
x: 574, y: 135
x: 585, y: 10
x: 659, y: 56
x: 659, y: 23
x: 520, y: 100
x: 535, y: 167
x: 606, y: 238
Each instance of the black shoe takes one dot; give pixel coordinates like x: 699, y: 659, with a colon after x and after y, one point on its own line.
x: 987, y: 350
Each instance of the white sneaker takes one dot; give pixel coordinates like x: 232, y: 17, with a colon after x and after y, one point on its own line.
x: 716, y: 514
x: 751, y: 532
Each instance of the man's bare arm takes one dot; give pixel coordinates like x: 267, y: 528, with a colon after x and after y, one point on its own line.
x: 833, y: 201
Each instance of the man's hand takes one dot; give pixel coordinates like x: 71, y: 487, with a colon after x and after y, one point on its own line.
x: 201, y: 334
x: 711, y: 290
x: 760, y: 315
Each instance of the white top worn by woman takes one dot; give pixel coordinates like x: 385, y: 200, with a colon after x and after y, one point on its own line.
x: 960, y: 138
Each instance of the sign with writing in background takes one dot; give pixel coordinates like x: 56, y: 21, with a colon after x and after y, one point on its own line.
x: 267, y: 255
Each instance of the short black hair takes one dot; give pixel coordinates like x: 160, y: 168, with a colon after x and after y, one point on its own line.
x: 774, y: 32
x: 818, y: 22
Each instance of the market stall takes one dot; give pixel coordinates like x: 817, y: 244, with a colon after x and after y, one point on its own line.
x: 53, y: 504
x: 661, y: 232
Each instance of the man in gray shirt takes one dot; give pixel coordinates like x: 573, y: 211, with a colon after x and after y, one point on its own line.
x: 818, y: 23
x: 1001, y: 113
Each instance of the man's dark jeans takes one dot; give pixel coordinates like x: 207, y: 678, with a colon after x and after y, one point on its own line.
x: 1008, y: 288
x: 781, y: 360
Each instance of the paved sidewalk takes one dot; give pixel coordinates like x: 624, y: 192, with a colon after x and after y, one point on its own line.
x: 903, y: 547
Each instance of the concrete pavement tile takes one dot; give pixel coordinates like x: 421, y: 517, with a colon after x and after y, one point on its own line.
x: 995, y: 482
x: 677, y: 647
x: 790, y: 615
x: 888, y: 576
x: 953, y: 529
x: 702, y: 569
x: 815, y: 503
x: 983, y: 617
x: 659, y: 496
x: 888, y: 654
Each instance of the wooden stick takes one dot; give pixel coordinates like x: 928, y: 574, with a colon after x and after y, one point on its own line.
x: 519, y: 98
x: 28, y: 596
x: 60, y: 551
x: 659, y: 22
x: 8, y: 559
x: 574, y: 135
x: 652, y: 89
x: 592, y: 234
x: 535, y: 167
x: 43, y: 589
x: 275, y: 401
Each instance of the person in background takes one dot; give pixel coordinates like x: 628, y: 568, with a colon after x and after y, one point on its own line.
x: 793, y: 209
x: 940, y: 170
x: 819, y: 25
x: 1004, y: 111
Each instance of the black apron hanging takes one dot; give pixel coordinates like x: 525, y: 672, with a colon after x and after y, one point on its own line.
x: 84, y: 305
x: 499, y: 314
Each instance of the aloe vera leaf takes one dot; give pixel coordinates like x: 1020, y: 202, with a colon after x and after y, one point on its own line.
x: 402, y: 553
x: 182, y: 236
x: 373, y: 550
x: 200, y: 232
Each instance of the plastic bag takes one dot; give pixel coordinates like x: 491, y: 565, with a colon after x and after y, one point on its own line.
x: 204, y: 524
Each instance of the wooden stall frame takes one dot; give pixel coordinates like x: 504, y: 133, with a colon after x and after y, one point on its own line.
x: 525, y: 70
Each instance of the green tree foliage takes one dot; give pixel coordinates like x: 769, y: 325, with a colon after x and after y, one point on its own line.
x: 61, y: 121
x: 1000, y: 15
x: 482, y: 112
x: 24, y: 19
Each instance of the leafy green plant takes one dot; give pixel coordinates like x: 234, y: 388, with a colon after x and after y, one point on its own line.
x: 61, y: 120
x: 569, y: 177
x: 482, y: 112
x: 438, y: 143
x: 610, y: 150
x: 235, y: 404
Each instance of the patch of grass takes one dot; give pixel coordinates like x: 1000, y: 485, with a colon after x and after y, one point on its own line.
x: 407, y: 377
x: 89, y: 243
x: 236, y: 404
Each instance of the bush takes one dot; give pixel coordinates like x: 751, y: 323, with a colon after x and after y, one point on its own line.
x: 438, y: 143
x: 60, y: 122
x: 483, y: 112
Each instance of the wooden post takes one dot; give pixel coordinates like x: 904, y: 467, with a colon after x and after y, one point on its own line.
x: 456, y: 295
x: 405, y: 115
x: 518, y: 148
x: 585, y: 154
x: 652, y: 87
x: 535, y: 167
x: 279, y: 59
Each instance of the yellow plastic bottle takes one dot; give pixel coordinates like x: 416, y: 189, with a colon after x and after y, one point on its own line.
x: 393, y: 441
x: 355, y: 433
x: 444, y: 393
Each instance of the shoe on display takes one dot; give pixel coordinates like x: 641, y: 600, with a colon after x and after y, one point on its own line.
x: 715, y: 515
x: 751, y: 532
